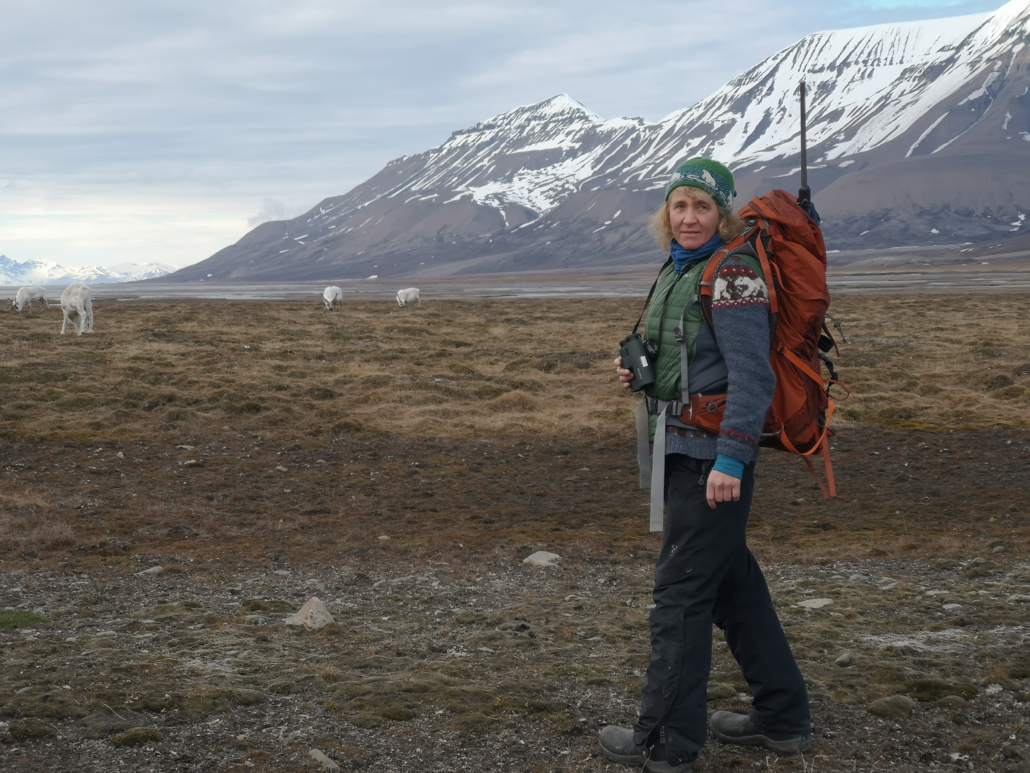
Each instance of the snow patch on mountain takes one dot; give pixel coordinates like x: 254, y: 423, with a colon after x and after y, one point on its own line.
x: 867, y: 87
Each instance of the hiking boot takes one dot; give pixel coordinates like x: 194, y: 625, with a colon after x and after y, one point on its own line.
x: 617, y: 745
x: 738, y: 728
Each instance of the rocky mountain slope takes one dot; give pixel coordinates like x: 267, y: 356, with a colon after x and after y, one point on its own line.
x: 42, y: 272
x: 919, y: 133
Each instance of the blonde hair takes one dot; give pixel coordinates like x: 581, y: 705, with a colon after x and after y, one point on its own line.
x: 730, y: 224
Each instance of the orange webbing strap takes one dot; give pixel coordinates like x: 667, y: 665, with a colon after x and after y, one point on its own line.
x: 824, y: 446
x: 800, y: 364
x: 829, y: 467
x: 763, y: 259
x: 815, y: 477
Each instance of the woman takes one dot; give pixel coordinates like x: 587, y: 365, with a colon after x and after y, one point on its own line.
x: 705, y: 572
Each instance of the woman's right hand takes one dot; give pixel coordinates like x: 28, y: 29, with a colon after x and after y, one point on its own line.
x: 625, y: 376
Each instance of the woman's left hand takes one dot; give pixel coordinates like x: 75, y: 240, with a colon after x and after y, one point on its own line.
x: 722, y: 488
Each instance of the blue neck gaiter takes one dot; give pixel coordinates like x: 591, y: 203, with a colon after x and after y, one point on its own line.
x: 681, y: 256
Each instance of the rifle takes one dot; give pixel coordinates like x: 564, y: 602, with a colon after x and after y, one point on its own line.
x: 804, y: 193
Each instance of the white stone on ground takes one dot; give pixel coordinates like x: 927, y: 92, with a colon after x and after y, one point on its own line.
x: 844, y: 660
x: 542, y: 558
x: 326, y: 763
x: 313, y: 616
x: 815, y: 603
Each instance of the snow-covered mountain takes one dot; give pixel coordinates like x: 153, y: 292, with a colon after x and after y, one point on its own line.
x: 43, y: 272
x: 919, y: 133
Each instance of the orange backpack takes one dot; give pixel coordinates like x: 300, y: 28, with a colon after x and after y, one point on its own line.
x: 789, y: 245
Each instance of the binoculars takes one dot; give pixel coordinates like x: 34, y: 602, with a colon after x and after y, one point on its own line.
x: 637, y: 356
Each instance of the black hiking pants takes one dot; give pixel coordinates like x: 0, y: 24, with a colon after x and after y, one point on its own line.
x: 705, y: 574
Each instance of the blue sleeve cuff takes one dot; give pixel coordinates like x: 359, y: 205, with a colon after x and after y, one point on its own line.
x: 729, y: 466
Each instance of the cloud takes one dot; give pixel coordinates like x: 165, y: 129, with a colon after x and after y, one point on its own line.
x: 196, y: 106
x: 271, y: 210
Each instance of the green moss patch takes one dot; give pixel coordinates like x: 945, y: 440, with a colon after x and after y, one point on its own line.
x: 19, y: 618
x: 138, y: 736
x: 30, y: 729
x: 935, y: 689
x: 894, y: 707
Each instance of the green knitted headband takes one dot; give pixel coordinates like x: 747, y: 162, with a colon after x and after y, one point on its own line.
x: 710, y: 176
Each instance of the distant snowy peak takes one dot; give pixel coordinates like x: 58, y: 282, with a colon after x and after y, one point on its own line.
x: 867, y: 86
x: 918, y: 133
x: 43, y: 272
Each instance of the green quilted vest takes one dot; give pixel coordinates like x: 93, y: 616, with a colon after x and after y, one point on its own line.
x: 668, y: 305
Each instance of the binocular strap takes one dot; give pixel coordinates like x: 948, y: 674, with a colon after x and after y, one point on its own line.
x: 652, y: 466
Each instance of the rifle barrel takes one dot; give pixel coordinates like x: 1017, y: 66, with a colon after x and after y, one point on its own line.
x: 805, y: 193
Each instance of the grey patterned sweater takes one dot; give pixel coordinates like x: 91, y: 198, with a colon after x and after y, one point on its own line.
x: 742, y: 323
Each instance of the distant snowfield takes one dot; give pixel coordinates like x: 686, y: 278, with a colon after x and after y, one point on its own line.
x: 45, y: 273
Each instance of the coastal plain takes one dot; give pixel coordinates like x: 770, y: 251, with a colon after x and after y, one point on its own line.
x: 176, y: 484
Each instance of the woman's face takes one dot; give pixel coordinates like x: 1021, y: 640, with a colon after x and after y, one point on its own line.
x: 693, y: 215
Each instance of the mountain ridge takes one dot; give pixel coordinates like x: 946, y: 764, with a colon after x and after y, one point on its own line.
x: 45, y: 273
x: 919, y: 133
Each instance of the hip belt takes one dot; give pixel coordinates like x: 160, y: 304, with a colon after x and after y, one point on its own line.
x: 699, y: 412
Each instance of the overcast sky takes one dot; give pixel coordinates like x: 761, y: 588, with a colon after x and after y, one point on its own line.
x: 164, y: 130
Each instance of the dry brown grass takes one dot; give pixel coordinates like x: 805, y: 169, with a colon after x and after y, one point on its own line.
x: 935, y: 362
x: 462, y: 369
x: 444, y: 368
x: 165, y: 429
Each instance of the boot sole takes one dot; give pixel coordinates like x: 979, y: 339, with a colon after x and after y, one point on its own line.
x: 793, y: 746
x: 622, y: 759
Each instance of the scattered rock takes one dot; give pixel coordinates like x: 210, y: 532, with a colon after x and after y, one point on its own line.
x: 720, y: 690
x: 844, y: 660
x: 1021, y: 597
x: 283, y: 572
x: 951, y: 607
x: 815, y: 603
x: 313, y: 616
x: 185, y: 447
x: 280, y: 468
x: 894, y: 707
x: 1010, y: 753
x: 320, y: 461
x: 151, y: 571
x: 858, y: 578
x: 138, y: 736
x: 383, y: 536
x: 327, y: 763
x: 542, y: 558
x: 107, y: 720
x: 193, y: 463
x: 120, y: 455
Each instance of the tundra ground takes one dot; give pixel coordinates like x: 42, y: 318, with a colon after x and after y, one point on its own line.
x: 176, y: 483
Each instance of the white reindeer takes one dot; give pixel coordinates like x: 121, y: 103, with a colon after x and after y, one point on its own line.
x: 25, y: 297
x: 78, y: 307
x: 332, y: 295
x: 408, y: 295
